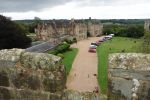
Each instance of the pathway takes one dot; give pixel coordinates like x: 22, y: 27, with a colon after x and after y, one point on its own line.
x: 82, y: 75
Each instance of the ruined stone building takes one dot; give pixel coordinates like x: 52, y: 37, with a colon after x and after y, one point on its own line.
x: 147, y: 25
x: 75, y: 28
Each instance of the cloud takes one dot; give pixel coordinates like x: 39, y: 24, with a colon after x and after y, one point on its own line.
x: 40, y: 5
x: 110, y: 2
x: 28, y: 5
x: 68, y: 11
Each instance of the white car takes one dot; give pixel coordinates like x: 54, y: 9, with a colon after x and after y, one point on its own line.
x: 111, y: 34
x: 108, y: 37
x: 93, y: 46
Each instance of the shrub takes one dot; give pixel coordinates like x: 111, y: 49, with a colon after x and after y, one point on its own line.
x: 61, y: 48
x: 60, y: 55
x: 68, y: 41
x: 54, y: 52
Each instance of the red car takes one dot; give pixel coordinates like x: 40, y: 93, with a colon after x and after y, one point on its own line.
x: 92, y: 50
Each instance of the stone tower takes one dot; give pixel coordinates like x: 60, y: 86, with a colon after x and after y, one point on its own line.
x: 147, y: 25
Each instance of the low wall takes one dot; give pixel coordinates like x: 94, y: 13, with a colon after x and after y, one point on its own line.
x: 129, y: 76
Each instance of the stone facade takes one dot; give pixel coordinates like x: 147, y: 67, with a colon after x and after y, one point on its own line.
x: 129, y: 76
x: 76, y: 28
x: 147, y: 25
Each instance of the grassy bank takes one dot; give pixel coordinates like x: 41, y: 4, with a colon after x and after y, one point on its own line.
x: 116, y: 45
x: 69, y: 57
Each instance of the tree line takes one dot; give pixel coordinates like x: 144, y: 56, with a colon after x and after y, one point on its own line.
x: 130, y: 30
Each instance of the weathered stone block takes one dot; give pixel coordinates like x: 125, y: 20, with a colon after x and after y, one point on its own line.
x: 8, y: 58
x: 54, y: 81
x: 55, y: 96
x: 39, y: 61
x: 135, y: 61
x: 33, y: 71
x: 129, y: 76
x: 75, y: 95
x: 32, y: 95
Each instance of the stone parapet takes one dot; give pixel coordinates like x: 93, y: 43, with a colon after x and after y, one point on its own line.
x: 129, y: 76
x: 36, y: 73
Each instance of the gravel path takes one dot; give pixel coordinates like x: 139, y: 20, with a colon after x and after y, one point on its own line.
x: 83, y: 75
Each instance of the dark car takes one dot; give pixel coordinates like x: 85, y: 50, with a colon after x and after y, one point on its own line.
x: 94, y: 43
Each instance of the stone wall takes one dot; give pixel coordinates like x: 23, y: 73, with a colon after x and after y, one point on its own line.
x: 30, y: 76
x: 129, y: 76
x: 75, y: 95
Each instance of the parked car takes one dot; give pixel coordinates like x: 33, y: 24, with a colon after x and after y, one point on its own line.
x: 98, y: 35
x: 101, y: 40
x: 93, y: 46
x: 108, y: 37
x: 94, y: 43
x: 112, y: 35
x: 92, y: 50
x: 98, y: 43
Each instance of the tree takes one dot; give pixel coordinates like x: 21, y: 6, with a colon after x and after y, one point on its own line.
x: 135, y: 31
x: 12, y: 35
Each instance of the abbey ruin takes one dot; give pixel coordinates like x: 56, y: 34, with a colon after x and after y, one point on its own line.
x: 147, y: 25
x: 80, y: 29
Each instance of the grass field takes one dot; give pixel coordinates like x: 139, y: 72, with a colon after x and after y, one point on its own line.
x: 116, y: 45
x: 69, y: 57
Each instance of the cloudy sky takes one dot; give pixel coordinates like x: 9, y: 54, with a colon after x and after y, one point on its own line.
x: 78, y: 9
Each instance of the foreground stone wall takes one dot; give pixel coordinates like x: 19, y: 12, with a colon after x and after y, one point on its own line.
x: 30, y: 76
x: 75, y: 95
x: 129, y: 76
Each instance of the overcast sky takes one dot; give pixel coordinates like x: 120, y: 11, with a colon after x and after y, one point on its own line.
x: 78, y: 9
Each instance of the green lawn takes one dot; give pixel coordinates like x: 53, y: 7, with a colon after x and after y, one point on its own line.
x: 69, y: 57
x: 116, y: 45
